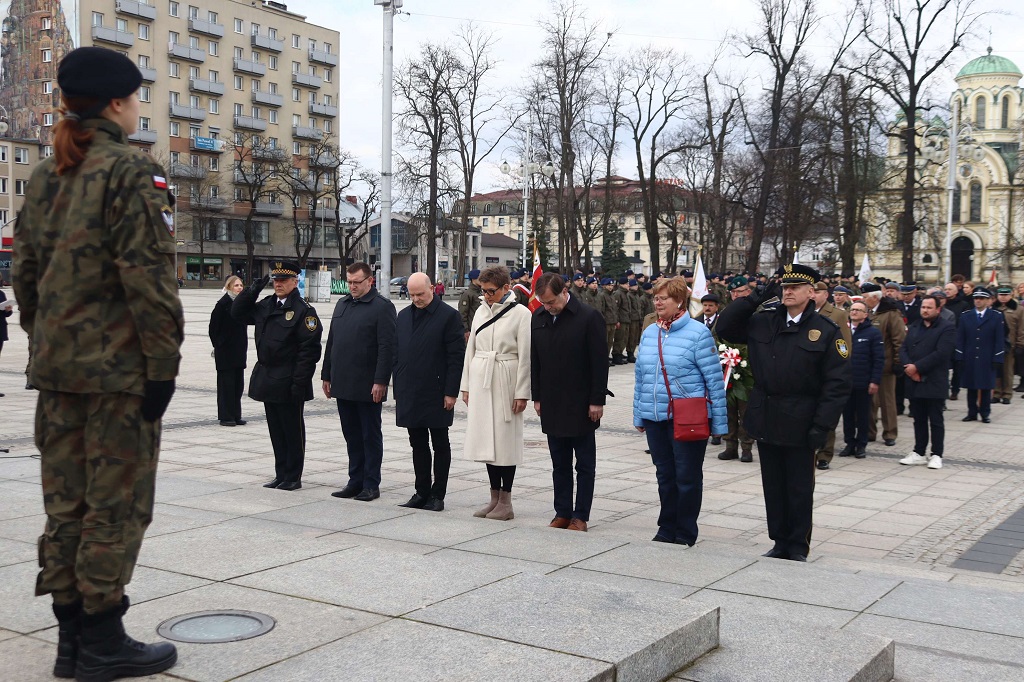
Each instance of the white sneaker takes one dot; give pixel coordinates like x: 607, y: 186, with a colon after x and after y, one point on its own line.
x: 914, y: 458
x: 935, y: 462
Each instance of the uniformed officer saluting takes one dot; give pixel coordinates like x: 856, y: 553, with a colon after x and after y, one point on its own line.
x: 801, y: 382
x: 287, y: 350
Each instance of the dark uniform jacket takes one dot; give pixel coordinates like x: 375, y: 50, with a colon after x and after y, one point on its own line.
x: 468, y: 303
x: 429, y: 352
x: 930, y: 349
x: 867, y: 355
x: 4, y: 314
x: 980, y: 344
x: 360, y: 347
x: 287, y: 346
x: 623, y: 307
x: 228, y: 335
x: 801, y: 373
x: 604, y: 303
x: 912, y: 310
x: 569, y: 367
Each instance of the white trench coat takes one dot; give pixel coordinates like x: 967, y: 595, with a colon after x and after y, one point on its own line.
x: 496, y: 372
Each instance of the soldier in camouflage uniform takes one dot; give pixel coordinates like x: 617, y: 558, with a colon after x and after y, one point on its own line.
x: 604, y: 303
x: 622, y: 304
x: 94, y: 278
x: 636, y: 315
x: 469, y: 302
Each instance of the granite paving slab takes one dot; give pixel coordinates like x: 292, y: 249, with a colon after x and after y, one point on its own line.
x: 914, y: 664
x: 26, y: 659
x: 432, y: 528
x: 173, y: 487
x: 645, y: 639
x: 739, y: 610
x: 15, y: 552
x: 551, y: 545
x: 655, y: 588
x: 964, y: 607
x: 334, y: 514
x: 400, y: 651
x: 23, y: 612
x: 374, y: 580
x: 668, y: 563
x: 484, y: 561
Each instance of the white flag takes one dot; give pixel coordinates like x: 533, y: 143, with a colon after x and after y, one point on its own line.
x: 796, y: 257
x: 700, y: 289
x: 865, y: 271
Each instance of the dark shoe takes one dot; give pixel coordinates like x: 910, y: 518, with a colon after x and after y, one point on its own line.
x: 647, y: 451
x: 619, y: 361
x: 415, y: 502
x: 776, y: 553
x: 747, y: 456
x: 106, y: 652
x: 227, y: 423
x: 860, y: 452
x: 240, y: 422
x: 953, y: 396
x: 68, y: 630
x: 1019, y: 388
x: 716, y: 440
x: 434, y: 504
x: 610, y: 362
x: 630, y: 358
x: 347, y: 492
x: 290, y: 485
x: 728, y: 454
x: 662, y: 538
x: 559, y: 522
x: 871, y: 439
x: 1006, y: 401
x: 969, y: 418
x: 797, y: 557
x: 367, y: 494
x: 30, y: 387
x: 822, y: 465
x: 986, y: 420
x: 578, y: 524
x: 890, y: 442
x: 1, y: 395
x: 273, y: 484
x: 847, y: 451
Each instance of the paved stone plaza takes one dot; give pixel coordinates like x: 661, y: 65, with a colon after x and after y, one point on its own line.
x: 914, y: 572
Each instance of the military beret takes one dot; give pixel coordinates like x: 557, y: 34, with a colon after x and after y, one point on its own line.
x: 515, y: 274
x: 892, y: 285
x: 687, y: 273
x: 714, y: 275
x: 797, y: 274
x: 646, y: 286
x: 709, y: 298
x: 623, y: 280
x: 633, y: 282
x: 578, y: 275
x: 591, y: 280
x: 606, y: 281
x: 868, y: 287
x: 737, y: 282
x: 820, y: 286
x: 629, y: 273
x: 841, y: 290
x: 283, y: 269
x: 474, y: 274
x: 98, y: 73
x: 1004, y: 290
x: 908, y: 288
x: 981, y: 293
x: 565, y: 278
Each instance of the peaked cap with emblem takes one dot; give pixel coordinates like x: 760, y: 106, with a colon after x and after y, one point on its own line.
x: 797, y: 274
x: 283, y: 269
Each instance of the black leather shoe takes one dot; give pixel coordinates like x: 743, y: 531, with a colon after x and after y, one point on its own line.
x: 823, y: 465
x: 240, y: 422
x: 662, y: 538
x: 890, y: 442
x: 797, y: 557
x: 728, y: 454
x: 716, y: 440
x: 969, y: 418
x: 415, y: 502
x: 347, y: 491
x: 847, y: 451
x: 290, y: 485
x: 30, y: 387
x: 860, y: 452
x: 227, y: 423
x: 986, y: 420
x: 776, y: 553
x: 1020, y: 387
x: 273, y: 484
x: 367, y: 494
x: 954, y: 396
x: 1006, y: 401
x: 434, y: 504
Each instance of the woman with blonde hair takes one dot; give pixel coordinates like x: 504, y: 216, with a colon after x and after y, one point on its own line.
x: 230, y: 345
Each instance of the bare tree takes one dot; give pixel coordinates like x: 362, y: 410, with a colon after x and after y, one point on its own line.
x: 256, y: 173
x: 307, y: 185
x: 603, y: 129
x: 201, y: 201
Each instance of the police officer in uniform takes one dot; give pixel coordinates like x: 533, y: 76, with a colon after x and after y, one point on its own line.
x: 94, y: 278
x: 801, y: 383
x: 287, y: 349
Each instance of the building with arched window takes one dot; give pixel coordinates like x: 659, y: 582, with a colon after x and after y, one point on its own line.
x: 988, y: 199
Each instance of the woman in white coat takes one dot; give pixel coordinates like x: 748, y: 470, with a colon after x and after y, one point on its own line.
x: 496, y: 386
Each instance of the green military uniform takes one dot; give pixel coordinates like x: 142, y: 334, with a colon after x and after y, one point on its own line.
x: 604, y: 302
x: 95, y: 281
x: 468, y: 303
x: 624, y: 308
x: 635, y: 317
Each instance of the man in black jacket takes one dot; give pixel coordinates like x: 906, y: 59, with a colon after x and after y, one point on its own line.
x: 926, y: 355
x: 287, y: 350
x: 569, y: 373
x: 801, y: 382
x: 429, y: 351
x: 357, y: 369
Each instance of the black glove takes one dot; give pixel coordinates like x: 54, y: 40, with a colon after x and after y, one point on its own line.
x: 772, y: 289
x: 298, y: 393
x: 155, y: 399
x: 259, y: 285
x: 816, y: 438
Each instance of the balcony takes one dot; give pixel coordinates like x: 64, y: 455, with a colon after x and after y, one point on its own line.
x: 187, y: 53
x: 105, y: 34
x: 268, y: 98
x: 268, y: 154
x: 308, y: 185
x: 208, y: 204
x: 250, y: 67
x: 322, y: 57
x: 191, y: 113
x: 324, y: 213
x: 135, y: 9
x: 183, y: 170
x: 269, y: 208
x: 148, y: 74
x: 250, y: 123
x: 207, y: 86
x: 307, y: 133
x: 207, y: 28
x: 143, y: 136
x: 265, y: 43
x: 307, y: 80
x: 323, y: 110
x: 324, y: 160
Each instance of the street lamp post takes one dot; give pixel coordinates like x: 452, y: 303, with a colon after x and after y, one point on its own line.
x: 390, y: 8
x: 323, y: 232
x: 525, y: 170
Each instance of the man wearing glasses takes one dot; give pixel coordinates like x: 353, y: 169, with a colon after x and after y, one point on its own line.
x: 356, y: 372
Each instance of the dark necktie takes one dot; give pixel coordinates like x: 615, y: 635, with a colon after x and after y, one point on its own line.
x: 791, y: 323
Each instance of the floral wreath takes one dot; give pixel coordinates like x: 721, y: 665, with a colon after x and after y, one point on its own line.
x: 738, y: 381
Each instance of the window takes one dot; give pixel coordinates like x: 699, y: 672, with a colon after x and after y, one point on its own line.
x: 97, y: 19
x: 636, y: 236
x: 193, y: 72
x: 327, y: 126
x: 46, y: 23
x: 143, y: 31
x: 273, y: 115
x: 957, y: 215
x: 193, y: 132
x: 19, y: 187
x: 295, y: 67
x: 976, y: 200
x: 47, y: 56
x: 214, y: 48
x: 255, y: 84
x: 212, y: 17
x: 273, y: 88
x: 328, y: 102
x: 296, y: 121
x: 239, y: 53
x: 175, y: 158
x: 238, y: 26
x: 174, y: 97
x: 327, y: 48
x: 638, y: 219
x: 214, y: 76
x: 144, y: 93
x: 312, y: 70
x: 48, y: 88
x: 144, y: 123
x: 257, y: 112
x: 3, y: 185
x: 214, y: 106
x: 501, y: 222
x: 327, y: 75
x: 175, y: 129
x: 238, y: 109
x: 979, y: 112
x: 172, y: 37
x: 144, y: 61
x: 257, y: 56
x: 193, y: 42
x: 172, y: 8
x: 193, y: 12
x: 255, y: 30
x: 636, y: 254
x: 484, y: 222
x: 239, y: 85
x: 272, y: 62
x: 295, y: 40
x: 193, y: 160
x: 214, y: 165
x: 295, y: 149
x: 312, y: 97
x: 1004, y: 117
x: 21, y: 155
x: 3, y: 153
x: 296, y: 95
x: 195, y: 102
x: 121, y: 25
x: 173, y: 68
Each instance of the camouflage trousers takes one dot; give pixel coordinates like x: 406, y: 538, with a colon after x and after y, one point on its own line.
x: 99, y: 460
x: 633, y: 337
x: 619, y: 342
x: 610, y: 337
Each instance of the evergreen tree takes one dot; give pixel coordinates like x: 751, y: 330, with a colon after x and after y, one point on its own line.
x: 613, y: 255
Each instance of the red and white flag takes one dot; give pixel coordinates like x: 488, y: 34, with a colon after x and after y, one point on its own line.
x: 994, y: 279
x: 533, y: 303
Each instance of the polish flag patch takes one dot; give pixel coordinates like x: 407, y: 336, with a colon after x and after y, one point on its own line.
x: 159, y: 182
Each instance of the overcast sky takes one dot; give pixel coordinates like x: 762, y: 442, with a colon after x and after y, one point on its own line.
x: 694, y: 27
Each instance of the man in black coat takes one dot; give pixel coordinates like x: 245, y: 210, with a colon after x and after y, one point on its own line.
x: 569, y: 381
x: 926, y: 355
x: 287, y: 350
x: 980, y: 350
x: 801, y: 383
x: 230, y: 346
x: 357, y: 369
x: 5, y: 312
x: 429, y: 353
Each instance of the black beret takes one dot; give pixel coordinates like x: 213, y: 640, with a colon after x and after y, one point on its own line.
x: 283, y: 269
x: 869, y: 287
x: 98, y: 73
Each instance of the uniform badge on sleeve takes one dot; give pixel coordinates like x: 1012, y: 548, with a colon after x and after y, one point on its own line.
x: 159, y: 182
x: 168, y: 215
x: 311, y: 323
x: 844, y: 352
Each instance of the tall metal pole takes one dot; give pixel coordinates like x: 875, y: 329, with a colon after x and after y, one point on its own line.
x: 954, y: 132
x: 323, y: 236
x: 384, y: 286
x: 526, y: 188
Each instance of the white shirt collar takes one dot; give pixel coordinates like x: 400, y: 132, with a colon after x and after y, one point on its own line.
x: 794, y: 320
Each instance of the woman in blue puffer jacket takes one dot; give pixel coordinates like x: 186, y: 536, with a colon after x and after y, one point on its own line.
x: 694, y: 371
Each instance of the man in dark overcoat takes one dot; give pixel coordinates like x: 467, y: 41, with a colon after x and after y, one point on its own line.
x: 980, y: 350
x: 230, y: 340
x: 569, y: 381
x: 429, y: 350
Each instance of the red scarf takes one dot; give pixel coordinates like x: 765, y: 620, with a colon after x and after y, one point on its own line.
x: 667, y: 324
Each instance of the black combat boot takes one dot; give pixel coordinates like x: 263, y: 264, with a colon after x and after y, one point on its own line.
x: 630, y: 358
x: 68, y: 628
x: 106, y: 652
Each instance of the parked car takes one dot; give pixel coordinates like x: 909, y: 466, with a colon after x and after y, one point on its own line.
x: 399, y: 286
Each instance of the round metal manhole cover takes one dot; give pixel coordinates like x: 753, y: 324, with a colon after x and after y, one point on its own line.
x: 212, y: 627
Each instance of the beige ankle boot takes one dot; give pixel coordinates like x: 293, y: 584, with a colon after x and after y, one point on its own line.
x: 503, y: 510
x: 484, y: 511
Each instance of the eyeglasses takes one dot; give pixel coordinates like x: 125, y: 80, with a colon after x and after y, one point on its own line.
x: 662, y: 298
x: 356, y: 281
x: 490, y: 292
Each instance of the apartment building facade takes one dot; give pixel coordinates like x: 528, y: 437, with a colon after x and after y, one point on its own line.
x: 227, y: 85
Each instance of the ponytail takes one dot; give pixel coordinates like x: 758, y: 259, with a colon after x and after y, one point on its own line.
x: 70, y: 139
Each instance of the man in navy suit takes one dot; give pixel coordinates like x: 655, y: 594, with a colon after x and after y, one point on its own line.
x: 980, y: 349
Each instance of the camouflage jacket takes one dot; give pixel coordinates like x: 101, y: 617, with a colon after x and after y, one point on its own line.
x: 94, y: 257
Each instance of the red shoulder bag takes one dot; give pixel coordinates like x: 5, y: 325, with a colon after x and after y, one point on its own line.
x: 689, y: 415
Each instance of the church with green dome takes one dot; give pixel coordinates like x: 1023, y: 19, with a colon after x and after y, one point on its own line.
x: 988, y: 198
